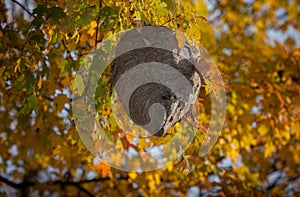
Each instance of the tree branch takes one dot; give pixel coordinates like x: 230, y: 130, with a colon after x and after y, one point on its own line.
x: 74, y: 184
x: 59, y: 182
x: 98, y: 25
x: 16, y: 185
x: 173, y: 18
x: 66, y: 48
x: 23, y: 7
x: 275, y: 182
x: 7, y: 182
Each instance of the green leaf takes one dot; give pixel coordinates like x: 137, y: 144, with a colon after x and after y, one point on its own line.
x: 33, y: 102
x: 22, y: 64
x: 108, y: 11
x: 170, y: 4
x: 55, y: 13
x: 54, y: 40
x: 65, y: 66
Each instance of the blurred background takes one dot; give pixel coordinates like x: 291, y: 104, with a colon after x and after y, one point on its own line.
x: 255, y: 44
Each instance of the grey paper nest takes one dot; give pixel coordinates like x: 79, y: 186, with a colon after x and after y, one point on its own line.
x: 145, y: 76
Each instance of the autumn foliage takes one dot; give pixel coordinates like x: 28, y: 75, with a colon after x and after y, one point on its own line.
x: 254, y: 43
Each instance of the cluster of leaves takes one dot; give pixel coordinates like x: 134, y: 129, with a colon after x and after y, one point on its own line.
x: 41, y: 50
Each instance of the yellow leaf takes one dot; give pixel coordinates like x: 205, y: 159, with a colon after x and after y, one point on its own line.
x: 132, y: 175
x: 263, y: 129
x: 119, y: 144
x: 137, y: 16
x: 260, y: 24
x: 157, y: 178
x: 270, y: 148
x: 18, y: 65
x: 92, y: 30
x: 40, y: 82
x: 170, y: 167
x: 151, y: 182
x: 93, y: 24
x: 296, y: 53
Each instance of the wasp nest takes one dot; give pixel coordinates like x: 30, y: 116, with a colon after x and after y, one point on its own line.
x: 154, y: 78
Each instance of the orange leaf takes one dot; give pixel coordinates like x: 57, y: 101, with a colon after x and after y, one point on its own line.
x: 103, y: 168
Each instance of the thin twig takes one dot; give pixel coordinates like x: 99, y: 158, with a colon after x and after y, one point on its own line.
x: 23, y: 7
x: 195, y: 124
x: 98, y: 24
x: 173, y: 18
x: 66, y: 48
